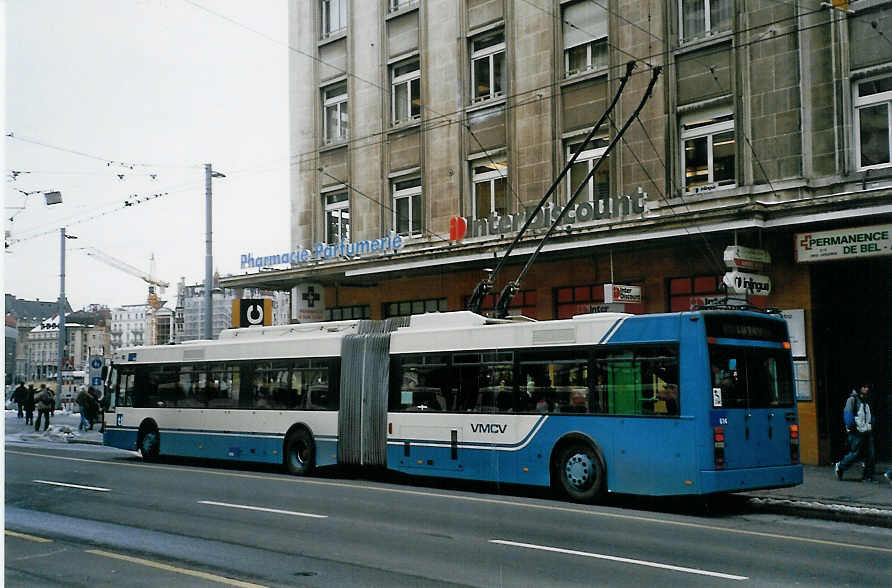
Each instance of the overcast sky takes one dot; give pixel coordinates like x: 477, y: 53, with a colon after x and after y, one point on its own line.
x: 129, y: 99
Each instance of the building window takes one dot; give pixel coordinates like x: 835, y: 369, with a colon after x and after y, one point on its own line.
x: 873, y: 123
x: 344, y: 313
x: 337, y: 218
x: 407, y: 207
x: 334, y: 17
x: 599, y: 184
x: 489, y: 188
x: 523, y: 304
x: 334, y: 120
x: 406, y: 92
x: 708, y: 151
x: 410, y: 307
x: 585, y: 37
x: 705, y: 17
x: 396, y: 5
x: 689, y: 293
x: 573, y: 300
x: 487, y: 67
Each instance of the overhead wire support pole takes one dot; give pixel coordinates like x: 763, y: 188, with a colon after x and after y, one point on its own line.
x: 485, y: 286
x: 512, y: 288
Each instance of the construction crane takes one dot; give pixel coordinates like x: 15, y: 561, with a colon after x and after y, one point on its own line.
x: 147, y: 277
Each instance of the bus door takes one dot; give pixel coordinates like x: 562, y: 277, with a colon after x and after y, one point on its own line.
x: 752, y: 403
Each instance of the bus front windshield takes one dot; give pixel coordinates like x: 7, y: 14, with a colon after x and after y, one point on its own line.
x: 750, y: 377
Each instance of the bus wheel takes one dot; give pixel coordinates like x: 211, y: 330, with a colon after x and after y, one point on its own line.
x: 580, y: 471
x: 150, y: 444
x: 300, y: 452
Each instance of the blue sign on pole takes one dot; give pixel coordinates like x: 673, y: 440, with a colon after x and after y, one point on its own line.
x: 96, y: 363
x: 96, y: 381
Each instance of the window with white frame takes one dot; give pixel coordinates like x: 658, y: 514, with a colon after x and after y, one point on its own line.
x: 396, y: 5
x: 489, y: 184
x: 702, y: 17
x: 585, y: 37
x: 337, y: 217
x: 873, y: 123
x: 407, y: 206
x: 708, y: 151
x: 334, y: 120
x: 334, y: 17
x: 406, y: 92
x: 487, y: 66
x: 599, y: 184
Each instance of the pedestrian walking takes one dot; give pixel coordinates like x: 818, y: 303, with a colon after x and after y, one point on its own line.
x: 30, y: 401
x: 859, y: 427
x: 83, y: 400
x: 46, y: 400
x: 18, y: 396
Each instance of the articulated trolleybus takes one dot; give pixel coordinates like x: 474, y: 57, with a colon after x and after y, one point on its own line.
x: 696, y: 402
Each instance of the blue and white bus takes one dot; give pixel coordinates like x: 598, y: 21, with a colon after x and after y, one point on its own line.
x: 697, y: 402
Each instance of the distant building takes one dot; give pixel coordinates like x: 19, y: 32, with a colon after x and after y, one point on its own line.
x: 12, y: 337
x: 190, y: 309
x: 82, y: 340
x: 128, y: 325
x: 28, y: 314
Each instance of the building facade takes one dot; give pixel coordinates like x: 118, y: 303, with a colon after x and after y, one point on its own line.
x: 27, y: 315
x: 129, y: 325
x: 423, y: 132
x: 191, y: 303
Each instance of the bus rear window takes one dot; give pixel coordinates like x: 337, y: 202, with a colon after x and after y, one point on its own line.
x: 750, y: 377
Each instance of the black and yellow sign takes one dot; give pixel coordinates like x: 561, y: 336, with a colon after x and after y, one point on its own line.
x: 249, y: 312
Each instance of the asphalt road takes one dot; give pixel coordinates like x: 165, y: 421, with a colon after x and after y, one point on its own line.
x: 89, y: 516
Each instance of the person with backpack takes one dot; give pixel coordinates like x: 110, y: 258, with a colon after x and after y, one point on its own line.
x: 46, y: 402
x: 859, y: 427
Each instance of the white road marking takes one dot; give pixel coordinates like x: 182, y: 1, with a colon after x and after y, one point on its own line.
x: 262, y: 509
x: 73, y: 486
x: 637, y: 562
x: 501, y: 501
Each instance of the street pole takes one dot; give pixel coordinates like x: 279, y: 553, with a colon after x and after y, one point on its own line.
x: 61, y: 359
x: 208, y: 255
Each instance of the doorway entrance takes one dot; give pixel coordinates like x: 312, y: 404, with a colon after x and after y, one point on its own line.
x: 852, y: 328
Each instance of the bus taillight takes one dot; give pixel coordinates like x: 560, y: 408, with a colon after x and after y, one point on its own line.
x: 718, y: 443
x: 794, y: 443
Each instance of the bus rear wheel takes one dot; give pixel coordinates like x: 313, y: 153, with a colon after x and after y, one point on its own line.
x: 150, y: 444
x: 580, y: 470
x: 300, y: 453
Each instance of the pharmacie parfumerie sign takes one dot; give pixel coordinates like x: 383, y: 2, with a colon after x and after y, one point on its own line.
x: 605, y: 207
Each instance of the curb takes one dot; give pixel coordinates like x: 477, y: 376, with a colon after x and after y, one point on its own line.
x: 859, y: 515
x: 84, y: 441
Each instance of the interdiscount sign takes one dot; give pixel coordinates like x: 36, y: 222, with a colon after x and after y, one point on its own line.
x: 844, y: 243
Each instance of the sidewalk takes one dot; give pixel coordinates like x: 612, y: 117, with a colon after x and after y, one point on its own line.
x: 62, y: 429
x: 820, y: 495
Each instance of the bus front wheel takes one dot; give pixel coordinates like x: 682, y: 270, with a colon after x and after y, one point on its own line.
x: 150, y: 444
x: 300, y: 453
x: 580, y: 471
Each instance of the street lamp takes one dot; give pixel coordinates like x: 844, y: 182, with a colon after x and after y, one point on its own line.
x: 61, y: 359
x: 208, y: 254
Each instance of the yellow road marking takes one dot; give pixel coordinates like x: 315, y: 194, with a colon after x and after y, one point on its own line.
x: 500, y: 502
x: 28, y: 537
x: 176, y: 570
